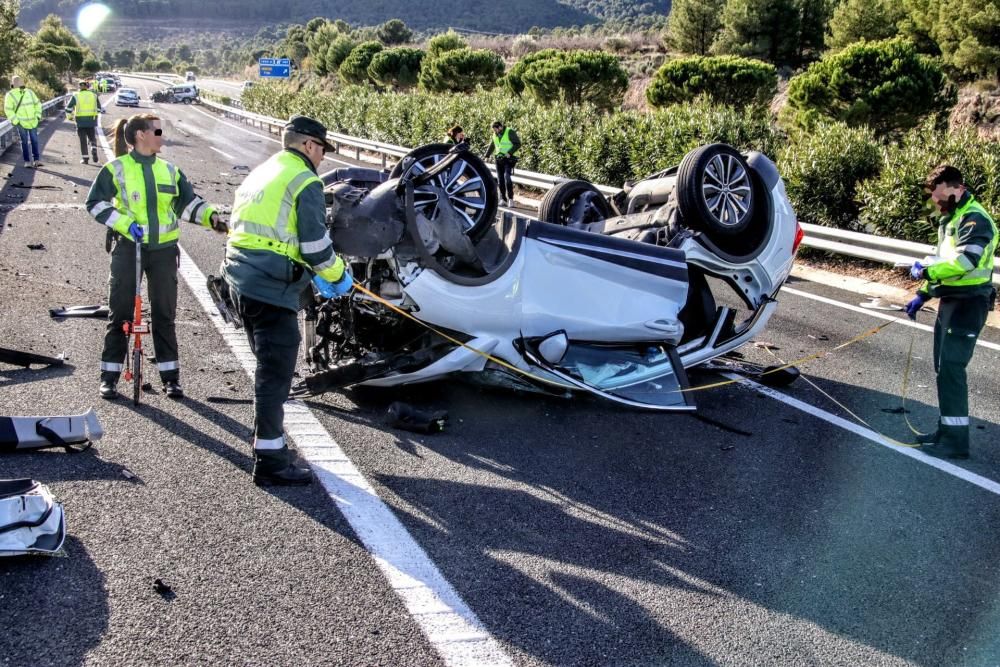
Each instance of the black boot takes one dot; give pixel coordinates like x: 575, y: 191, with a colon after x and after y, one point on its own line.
x: 93, y: 154
x: 109, y: 382
x: 276, y: 467
x: 952, y: 443
x: 172, y: 388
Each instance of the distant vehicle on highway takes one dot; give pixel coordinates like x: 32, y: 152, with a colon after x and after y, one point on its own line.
x: 189, y: 76
x: 185, y: 93
x: 127, y: 97
x: 247, y: 85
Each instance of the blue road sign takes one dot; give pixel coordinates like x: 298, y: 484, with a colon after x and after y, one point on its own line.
x: 274, y: 67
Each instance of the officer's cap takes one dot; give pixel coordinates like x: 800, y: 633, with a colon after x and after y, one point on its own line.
x: 310, y: 127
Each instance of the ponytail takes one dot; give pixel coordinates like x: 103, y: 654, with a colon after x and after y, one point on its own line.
x: 124, y: 131
x: 118, y: 134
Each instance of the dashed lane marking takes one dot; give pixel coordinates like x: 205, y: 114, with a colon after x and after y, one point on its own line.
x: 449, y: 624
x: 222, y: 153
x: 260, y: 136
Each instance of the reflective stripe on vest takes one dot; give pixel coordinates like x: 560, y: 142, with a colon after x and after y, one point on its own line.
x: 503, y: 144
x: 948, y: 248
x: 86, y: 104
x: 264, y: 216
x: 131, y: 198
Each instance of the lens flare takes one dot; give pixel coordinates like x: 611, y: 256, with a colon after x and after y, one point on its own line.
x: 90, y: 18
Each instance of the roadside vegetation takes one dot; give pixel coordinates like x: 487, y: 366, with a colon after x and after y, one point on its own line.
x: 856, y: 101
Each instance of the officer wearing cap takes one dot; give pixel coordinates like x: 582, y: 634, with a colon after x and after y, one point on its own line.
x: 961, y: 276
x: 278, y: 243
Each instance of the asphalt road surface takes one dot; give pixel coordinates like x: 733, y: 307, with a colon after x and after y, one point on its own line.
x: 772, y: 530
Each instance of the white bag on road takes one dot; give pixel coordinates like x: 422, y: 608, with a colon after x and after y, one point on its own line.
x: 31, y: 521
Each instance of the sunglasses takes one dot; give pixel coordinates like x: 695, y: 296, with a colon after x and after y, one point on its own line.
x: 320, y: 144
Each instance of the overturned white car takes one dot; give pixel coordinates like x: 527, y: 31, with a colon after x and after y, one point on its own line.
x: 614, y: 303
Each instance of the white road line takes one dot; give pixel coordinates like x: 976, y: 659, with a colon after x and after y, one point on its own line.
x: 867, y: 433
x: 449, y: 624
x: 874, y: 313
x: 260, y: 136
x: 42, y: 207
x: 222, y: 153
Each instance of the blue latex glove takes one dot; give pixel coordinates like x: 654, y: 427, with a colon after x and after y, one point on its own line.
x: 915, y: 305
x: 329, y: 290
x: 917, y: 271
x: 135, y: 230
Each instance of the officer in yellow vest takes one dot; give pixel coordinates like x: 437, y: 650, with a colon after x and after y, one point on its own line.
x: 84, y: 107
x: 960, y: 275
x: 24, y: 110
x: 141, y: 198
x: 279, y: 241
x: 504, y: 145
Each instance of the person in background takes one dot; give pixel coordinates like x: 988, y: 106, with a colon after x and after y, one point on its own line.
x: 142, y: 199
x: 455, y: 135
x: 504, y: 145
x: 24, y: 110
x: 280, y: 240
x: 961, y: 276
x: 84, y: 107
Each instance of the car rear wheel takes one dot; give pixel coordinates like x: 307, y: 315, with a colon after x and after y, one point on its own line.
x: 715, y: 190
x: 468, y: 185
x: 574, y: 204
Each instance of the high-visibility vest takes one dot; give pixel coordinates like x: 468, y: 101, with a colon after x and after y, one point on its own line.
x: 28, y: 108
x: 85, y: 105
x: 948, y: 247
x: 503, y: 144
x: 131, y: 199
x: 264, y: 216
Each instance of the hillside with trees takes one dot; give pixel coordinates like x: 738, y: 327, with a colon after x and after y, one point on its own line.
x: 512, y: 16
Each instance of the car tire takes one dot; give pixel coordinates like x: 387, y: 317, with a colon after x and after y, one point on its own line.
x: 574, y: 203
x: 187, y: 100
x: 715, y: 191
x: 480, y: 219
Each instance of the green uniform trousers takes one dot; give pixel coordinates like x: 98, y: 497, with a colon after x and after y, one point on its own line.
x: 273, y: 334
x: 160, y: 268
x: 959, y: 321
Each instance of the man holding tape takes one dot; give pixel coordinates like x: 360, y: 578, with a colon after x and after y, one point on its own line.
x: 961, y: 276
x: 279, y: 240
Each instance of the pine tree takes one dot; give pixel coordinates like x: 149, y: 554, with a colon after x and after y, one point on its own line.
x: 694, y: 24
x: 970, y: 38
x: 870, y: 20
x: 763, y: 29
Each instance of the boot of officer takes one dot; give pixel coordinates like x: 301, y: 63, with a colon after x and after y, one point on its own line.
x: 279, y: 240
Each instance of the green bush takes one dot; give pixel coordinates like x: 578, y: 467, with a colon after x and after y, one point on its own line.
x: 822, y: 170
x: 354, y: 69
x: 461, y: 70
x: 446, y: 41
x: 572, y: 141
x: 336, y: 53
x: 396, y: 68
x: 570, y: 77
x: 894, y: 204
x: 887, y: 85
x: 724, y: 79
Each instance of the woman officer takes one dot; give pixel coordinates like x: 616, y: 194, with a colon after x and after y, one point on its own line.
x: 141, y: 197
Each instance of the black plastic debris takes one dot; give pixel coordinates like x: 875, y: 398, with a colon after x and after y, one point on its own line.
x: 228, y: 400
x: 164, y: 589
x: 405, y: 416
x: 896, y: 411
x: 26, y: 359
x: 36, y: 246
x: 97, y: 311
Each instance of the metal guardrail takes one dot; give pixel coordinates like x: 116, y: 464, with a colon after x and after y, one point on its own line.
x: 8, y: 134
x: 842, y: 242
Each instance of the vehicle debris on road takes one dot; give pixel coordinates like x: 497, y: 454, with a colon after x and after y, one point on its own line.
x: 27, y: 359
x: 405, y: 416
x: 96, y: 311
x: 31, y: 521
x: 74, y: 433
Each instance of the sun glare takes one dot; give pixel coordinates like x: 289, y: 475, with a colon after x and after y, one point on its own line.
x: 91, y: 17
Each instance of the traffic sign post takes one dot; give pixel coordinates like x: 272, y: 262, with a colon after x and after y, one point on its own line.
x: 274, y: 68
